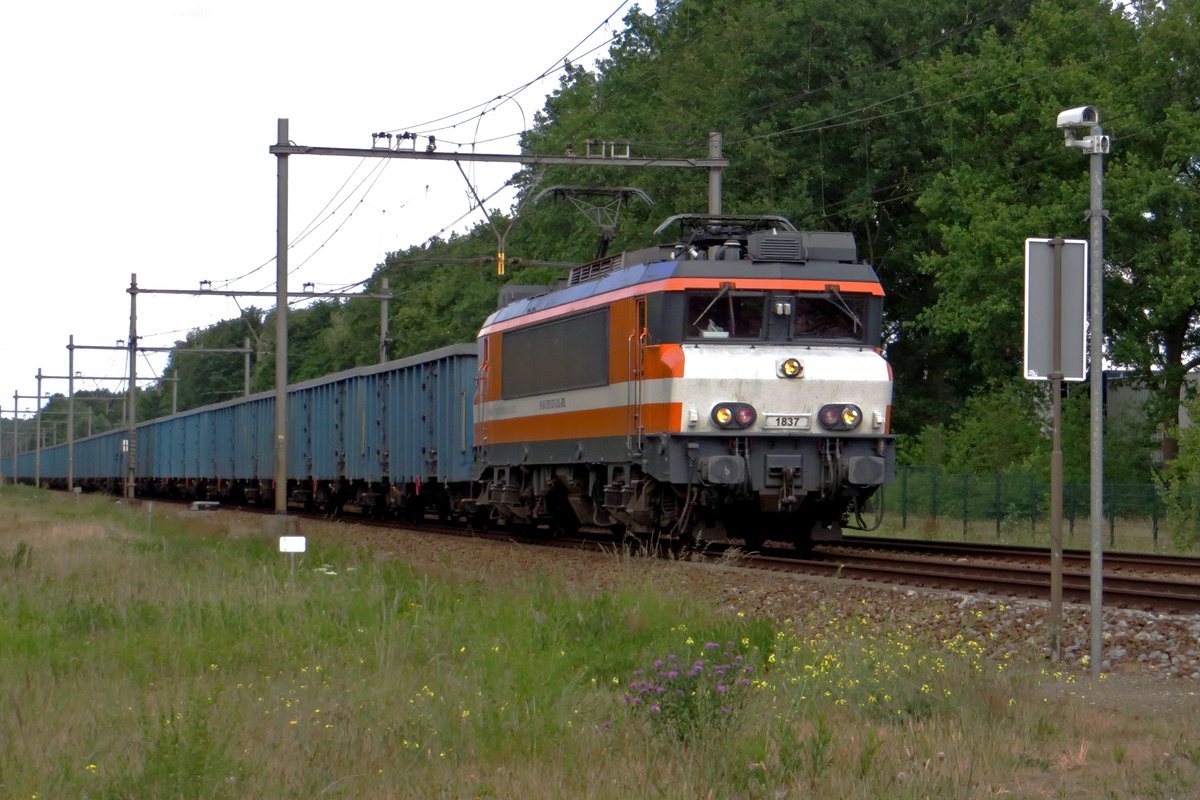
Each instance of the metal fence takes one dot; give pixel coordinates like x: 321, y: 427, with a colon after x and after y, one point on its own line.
x: 1015, y: 506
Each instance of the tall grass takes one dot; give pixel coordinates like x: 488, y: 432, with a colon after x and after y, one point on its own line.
x: 181, y: 657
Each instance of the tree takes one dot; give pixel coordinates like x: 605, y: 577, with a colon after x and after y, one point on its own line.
x: 927, y: 132
x: 204, y: 378
x: 1009, y: 180
x: 822, y: 124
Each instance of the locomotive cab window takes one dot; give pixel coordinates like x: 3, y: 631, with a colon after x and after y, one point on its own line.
x: 830, y: 315
x: 725, y: 314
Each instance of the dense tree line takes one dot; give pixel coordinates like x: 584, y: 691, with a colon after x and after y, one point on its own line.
x: 926, y: 131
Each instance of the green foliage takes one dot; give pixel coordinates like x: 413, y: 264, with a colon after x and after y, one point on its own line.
x: 927, y: 132
x: 96, y: 411
x: 183, y: 757
x: 1180, y: 485
x: 1006, y: 428
x: 22, y: 556
x: 1006, y: 180
x: 999, y: 428
x: 927, y: 446
x: 206, y: 377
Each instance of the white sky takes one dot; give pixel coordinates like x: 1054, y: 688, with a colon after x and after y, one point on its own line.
x: 135, y: 134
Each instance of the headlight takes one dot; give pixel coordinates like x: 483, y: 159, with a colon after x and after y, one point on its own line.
x: 840, y: 416
x: 733, y: 415
x: 792, y: 368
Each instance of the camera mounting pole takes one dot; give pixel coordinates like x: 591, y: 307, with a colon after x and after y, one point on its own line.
x: 1095, y: 144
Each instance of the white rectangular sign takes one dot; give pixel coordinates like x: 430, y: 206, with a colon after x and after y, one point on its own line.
x: 291, y: 544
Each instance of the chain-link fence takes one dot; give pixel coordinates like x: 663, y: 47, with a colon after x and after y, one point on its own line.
x: 1017, y: 508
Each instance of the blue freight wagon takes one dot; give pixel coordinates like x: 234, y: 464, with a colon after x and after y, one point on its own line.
x: 372, y: 438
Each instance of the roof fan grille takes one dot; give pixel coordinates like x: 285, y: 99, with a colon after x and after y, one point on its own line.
x: 780, y: 247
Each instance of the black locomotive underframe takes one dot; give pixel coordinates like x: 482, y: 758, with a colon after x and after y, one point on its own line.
x: 751, y: 487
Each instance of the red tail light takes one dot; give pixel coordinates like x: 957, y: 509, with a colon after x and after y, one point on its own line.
x: 733, y: 415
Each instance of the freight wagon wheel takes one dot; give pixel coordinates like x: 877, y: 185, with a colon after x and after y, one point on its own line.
x: 479, y: 518
x: 412, y: 508
x: 444, y: 504
x: 752, y: 536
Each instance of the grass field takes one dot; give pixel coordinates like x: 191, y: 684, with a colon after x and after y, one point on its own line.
x: 177, y: 655
x: 1127, y: 534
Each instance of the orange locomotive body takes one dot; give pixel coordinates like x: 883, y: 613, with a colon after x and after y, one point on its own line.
x: 727, y: 385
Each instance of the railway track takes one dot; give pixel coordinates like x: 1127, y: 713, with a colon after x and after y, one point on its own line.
x: 1155, y: 583
x: 1166, y: 584
x: 1114, y: 562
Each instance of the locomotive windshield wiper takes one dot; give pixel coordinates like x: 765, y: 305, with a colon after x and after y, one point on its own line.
x: 840, y: 301
x: 724, y: 291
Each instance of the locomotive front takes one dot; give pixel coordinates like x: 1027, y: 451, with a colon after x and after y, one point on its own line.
x: 730, y: 385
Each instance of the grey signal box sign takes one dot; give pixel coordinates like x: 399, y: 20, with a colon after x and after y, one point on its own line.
x: 1041, y: 265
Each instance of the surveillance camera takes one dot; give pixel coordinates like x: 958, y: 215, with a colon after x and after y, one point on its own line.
x: 1079, y: 117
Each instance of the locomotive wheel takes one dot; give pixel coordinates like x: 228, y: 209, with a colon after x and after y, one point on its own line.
x: 752, y: 536
x: 803, y: 542
x: 479, y: 518
x: 745, y: 523
x: 563, y: 521
x: 753, y: 542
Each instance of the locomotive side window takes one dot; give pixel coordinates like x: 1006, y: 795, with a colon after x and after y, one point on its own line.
x: 556, y: 356
x: 725, y: 314
x: 830, y: 315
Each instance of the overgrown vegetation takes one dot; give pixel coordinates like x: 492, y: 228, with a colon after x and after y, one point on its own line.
x: 1180, y: 485
x: 161, y: 654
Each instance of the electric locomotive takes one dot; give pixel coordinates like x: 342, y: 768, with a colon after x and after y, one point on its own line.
x: 730, y: 384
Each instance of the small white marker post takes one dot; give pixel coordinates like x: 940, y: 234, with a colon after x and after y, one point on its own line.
x: 292, y: 545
